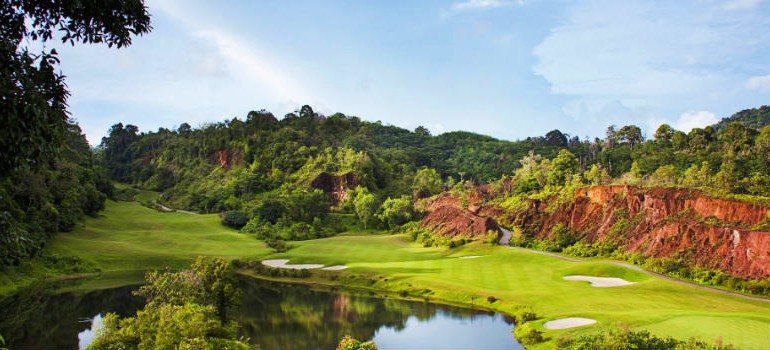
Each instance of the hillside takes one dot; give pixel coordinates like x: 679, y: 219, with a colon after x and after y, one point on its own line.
x: 753, y: 118
x: 677, y: 231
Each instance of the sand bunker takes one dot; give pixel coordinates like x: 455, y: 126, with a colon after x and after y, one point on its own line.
x: 282, y: 264
x: 600, y: 281
x: 569, y: 322
x: 471, y: 256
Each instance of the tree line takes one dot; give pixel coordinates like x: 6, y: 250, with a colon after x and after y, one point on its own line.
x: 259, y: 170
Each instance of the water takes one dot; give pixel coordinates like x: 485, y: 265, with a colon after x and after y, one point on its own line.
x: 273, y: 315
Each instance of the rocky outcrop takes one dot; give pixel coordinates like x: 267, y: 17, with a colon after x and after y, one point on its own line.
x: 453, y: 221
x: 225, y: 158
x: 658, y: 222
x: 336, y: 187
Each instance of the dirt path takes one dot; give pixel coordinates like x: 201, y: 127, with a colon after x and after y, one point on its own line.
x: 167, y: 209
x: 506, y: 240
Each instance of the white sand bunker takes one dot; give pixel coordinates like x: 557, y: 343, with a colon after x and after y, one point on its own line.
x: 282, y: 264
x: 471, y: 256
x: 600, y: 281
x: 569, y: 322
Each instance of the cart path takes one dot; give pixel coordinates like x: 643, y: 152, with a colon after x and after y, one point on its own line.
x: 167, y: 209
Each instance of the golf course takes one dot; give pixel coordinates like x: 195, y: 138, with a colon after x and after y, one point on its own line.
x: 128, y: 238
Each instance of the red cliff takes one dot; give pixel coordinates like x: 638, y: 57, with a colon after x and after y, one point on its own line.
x: 453, y: 221
x: 336, y: 187
x: 707, y: 232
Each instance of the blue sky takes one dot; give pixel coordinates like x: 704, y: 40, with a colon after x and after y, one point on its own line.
x: 505, y: 68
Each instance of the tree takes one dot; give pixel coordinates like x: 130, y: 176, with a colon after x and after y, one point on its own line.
x: 679, y: 140
x: 397, y: 211
x: 181, y: 312
x: 422, y: 131
x: 562, y: 168
x: 630, y: 134
x: 427, y: 182
x: 365, y: 204
x: 217, y: 284
x: 596, y: 175
x: 33, y: 106
x: 611, y: 136
x: 663, y: 135
x: 555, y: 138
x: 664, y: 176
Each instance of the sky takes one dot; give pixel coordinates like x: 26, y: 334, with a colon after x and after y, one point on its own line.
x: 505, y: 68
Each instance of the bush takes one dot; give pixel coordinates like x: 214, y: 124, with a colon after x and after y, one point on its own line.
x: 280, y: 246
x: 621, y: 338
x: 588, y: 250
x: 563, y: 237
x: 349, y: 343
x: 527, y: 334
x: 524, y: 315
x: 234, y: 218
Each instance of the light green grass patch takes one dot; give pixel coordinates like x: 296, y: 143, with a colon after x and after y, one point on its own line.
x: 128, y: 236
x: 599, y: 269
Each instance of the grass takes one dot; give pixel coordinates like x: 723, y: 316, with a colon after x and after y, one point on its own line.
x: 521, y: 278
x: 129, y: 237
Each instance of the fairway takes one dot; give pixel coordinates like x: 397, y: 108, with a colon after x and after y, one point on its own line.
x: 128, y: 236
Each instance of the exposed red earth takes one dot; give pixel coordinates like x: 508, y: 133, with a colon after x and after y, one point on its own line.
x: 708, y: 232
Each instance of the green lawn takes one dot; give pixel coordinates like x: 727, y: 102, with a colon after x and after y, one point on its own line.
x: 130, y: 237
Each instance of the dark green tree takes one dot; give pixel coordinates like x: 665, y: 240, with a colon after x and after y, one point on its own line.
x: 33, y: 96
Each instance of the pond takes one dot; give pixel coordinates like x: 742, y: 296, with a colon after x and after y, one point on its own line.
x: 273, y: 315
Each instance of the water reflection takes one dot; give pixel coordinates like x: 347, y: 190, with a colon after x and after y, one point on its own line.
x: 273, y: 315
x: 87, y: 336
x: 291, y: 317
x: 40, y: 319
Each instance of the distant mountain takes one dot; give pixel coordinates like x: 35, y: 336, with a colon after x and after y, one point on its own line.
x: 754, y: 118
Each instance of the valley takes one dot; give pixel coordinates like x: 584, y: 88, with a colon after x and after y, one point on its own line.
x: 390, y: 264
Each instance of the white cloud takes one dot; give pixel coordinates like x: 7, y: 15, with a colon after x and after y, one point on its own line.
x: 625, y: 50
x: 695, y: 119
x: 243, y: 59
x: 477, y: 4
x: 741, y: 4
x: 651, y: 57
x: 248, y: 61
x: 759, y: 83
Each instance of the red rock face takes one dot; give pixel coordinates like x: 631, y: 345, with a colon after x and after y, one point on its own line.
x: 225, y: 158
x: 708, y: 232
x: 453, y: 221
x: 336, y: 187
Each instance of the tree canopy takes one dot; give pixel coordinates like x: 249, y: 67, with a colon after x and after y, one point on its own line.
x: 33, y: 102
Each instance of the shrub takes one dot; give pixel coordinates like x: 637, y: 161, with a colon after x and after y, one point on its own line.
x: 349, y: 343
x: 280, y: 246
x: 622, y: 338
x: 527, y: 334
x: 234, y: 218
x: 562, y: 237
x: 524, y: 315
